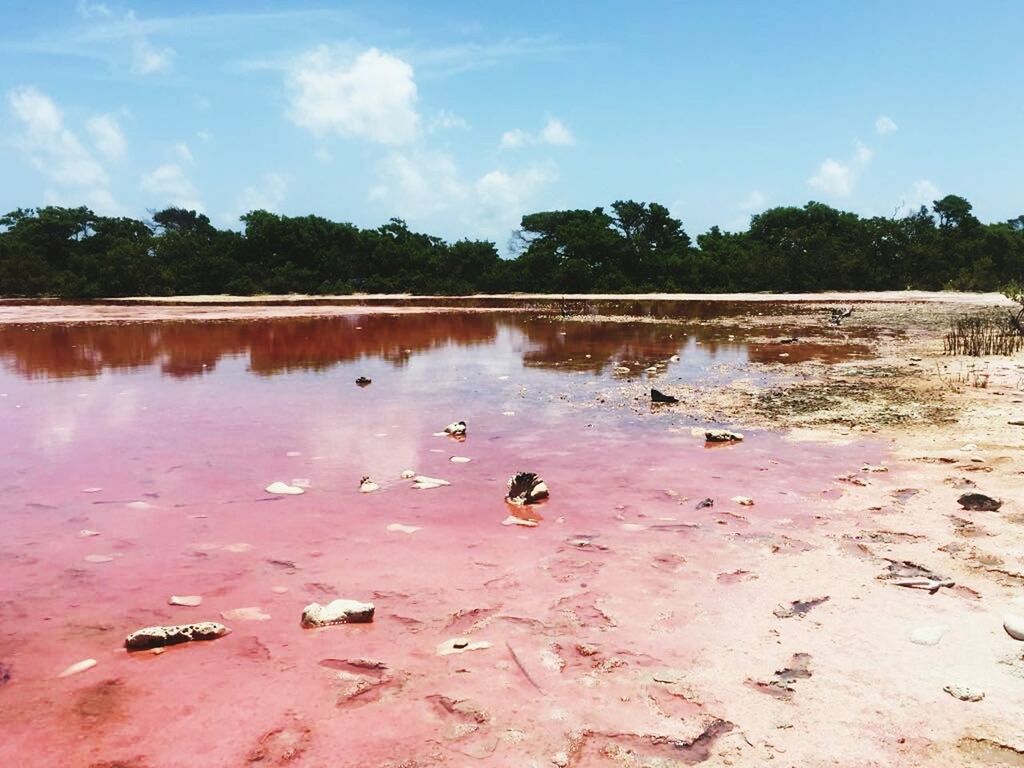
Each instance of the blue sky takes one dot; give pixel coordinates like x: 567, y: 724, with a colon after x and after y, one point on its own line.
x: 460, y: 117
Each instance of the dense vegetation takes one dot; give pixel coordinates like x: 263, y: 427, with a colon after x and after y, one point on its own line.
x: 633, y: 247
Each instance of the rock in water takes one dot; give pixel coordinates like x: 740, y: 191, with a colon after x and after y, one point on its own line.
x: 189, y: 601
x: 721, y: 436
x: 337, y: 612
x: 158, y: 637
x: 743, y: 501
x: 979, y: 502
x: 660, y: 397
x: 362, y: 381
x: 705, y: 503
x: 408, y: 474
x: 526, y: 488
x: 283, y: 489
x: 366, y: 485
x: 456, y: 429
x: 1014, y: 626
x: 77, y: 667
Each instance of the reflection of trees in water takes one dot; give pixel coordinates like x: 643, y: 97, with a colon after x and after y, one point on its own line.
x: 190, y: 348
x: 566, y: 345
x: 185, y: 349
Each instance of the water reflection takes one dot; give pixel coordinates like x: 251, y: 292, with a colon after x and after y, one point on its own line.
x: 184, y: 349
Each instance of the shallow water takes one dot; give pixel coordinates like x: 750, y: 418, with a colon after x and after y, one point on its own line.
x: 162, y: 436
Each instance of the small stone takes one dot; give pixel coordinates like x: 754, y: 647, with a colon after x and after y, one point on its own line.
x: 91, y: 490
x: 721, y: 436
x: 399, y: 528
x: 1014, y: 626
x: 968, y: 448
x: 408, y: 474
x: 461, y: 645
x: 979, y: 502
x: 337, y: 612
x: 158, y: 637
x: 98, y: 558
x: 253, y: 613
x: 928, y: 635
x: 188, y: 601
x: 422, y: 482
x: 366, y: 485
x: 85, y: 533
x: 964, y: 692
x: 513, y: 520
x: 456, y: 429
x: 743, y: 501
x: 78, y: 666
x: 621, y: 369
x: 279, y: 590
x: 283, y: 489
x: 460, y: 459
x: 139, y: 505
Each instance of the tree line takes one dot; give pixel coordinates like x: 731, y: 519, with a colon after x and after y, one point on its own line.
x: 627, y: 248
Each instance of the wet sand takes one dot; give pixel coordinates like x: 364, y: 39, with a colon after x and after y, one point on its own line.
x: 632, y: 626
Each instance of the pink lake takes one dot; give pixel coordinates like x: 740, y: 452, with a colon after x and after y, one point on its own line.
x: 180, y: 426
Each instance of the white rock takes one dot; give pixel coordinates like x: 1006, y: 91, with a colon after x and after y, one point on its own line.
x: 283, y: 489
x: 253, y: 613
x: 78, y: 666
x: 460, y: 459
x: 456, y: 428
x: 513, y: 520
x: 399, y: 528
x: 337, y: 612
x: 85, y: 533
x: 632, y: 527
x: 721, y: 436
x: 743, y: 501
x: 964, y: 692
x: 139, y: 505
x: 368, y: 486
x: 461, y: 645
x: 621, y: 369
x: 238, y: 547
x: 928, y: 635
x: 91, y: 490
x: 279, y: 590
x: 408, y: 474
x: 188, y: 601
x: 1014, y: 626
x: 969, y: 447
x: 98, y: 558
x: 422, y: 482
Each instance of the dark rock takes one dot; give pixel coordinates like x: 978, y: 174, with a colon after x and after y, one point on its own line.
x: 362, y: 381
x: 979, y: 502
x: 660, y: 397
x: 5, y: 674
x: 526, y: 488
x: 705, y: 503
x: 799, y: 608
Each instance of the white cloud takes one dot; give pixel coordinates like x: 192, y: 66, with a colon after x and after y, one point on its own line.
x: 515, y: 138
x: 837, y: 179
x: 423, y: 185
x: 923, y: 192
x: 371, y: 97
x: 753, y: 203
x: 107, y: 136
x: 147, y: 60
x: 833, y: 178
x: 266, y: 196
x: 56, y: 152
x: 171, y: 186
x: 446, y: 121
x: 184, y: 153
x: 89, y: 10
x: 554, y: 132
x: 884, y: 124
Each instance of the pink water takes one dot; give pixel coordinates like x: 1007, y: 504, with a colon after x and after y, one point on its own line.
x: 194, y: 420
